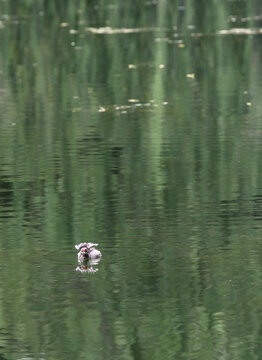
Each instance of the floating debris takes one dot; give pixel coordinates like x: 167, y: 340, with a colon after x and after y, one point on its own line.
x: 233, y: 18
x: 249, y: 103
x: 122, y: 107
x: 131, y: 66
x: 164, y: 39
x: 133, y: 100
x: 240, y: 31
x: 196, y: 34
x: 162, y: 66
x: 181, y: 45
x: 101, y: 109
x: 109, y: 30
x: 191, y: 76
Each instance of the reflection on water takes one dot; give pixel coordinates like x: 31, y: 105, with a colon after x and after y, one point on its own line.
x: 88, y: 266
x: 148, y: 143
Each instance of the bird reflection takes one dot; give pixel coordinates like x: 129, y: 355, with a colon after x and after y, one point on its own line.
x: 88, y: 266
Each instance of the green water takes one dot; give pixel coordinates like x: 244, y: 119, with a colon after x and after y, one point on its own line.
x: 144, y: 137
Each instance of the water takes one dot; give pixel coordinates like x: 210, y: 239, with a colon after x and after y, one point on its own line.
x: 143, y: 134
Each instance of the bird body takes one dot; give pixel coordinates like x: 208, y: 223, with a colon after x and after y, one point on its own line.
x: 87, y: 251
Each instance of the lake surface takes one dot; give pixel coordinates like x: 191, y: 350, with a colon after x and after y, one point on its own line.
x: 138, y: 126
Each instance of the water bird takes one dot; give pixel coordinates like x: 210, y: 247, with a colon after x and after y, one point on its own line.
x: 87, y: 251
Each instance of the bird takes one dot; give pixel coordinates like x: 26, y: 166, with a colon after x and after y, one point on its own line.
x: 87, y: 251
